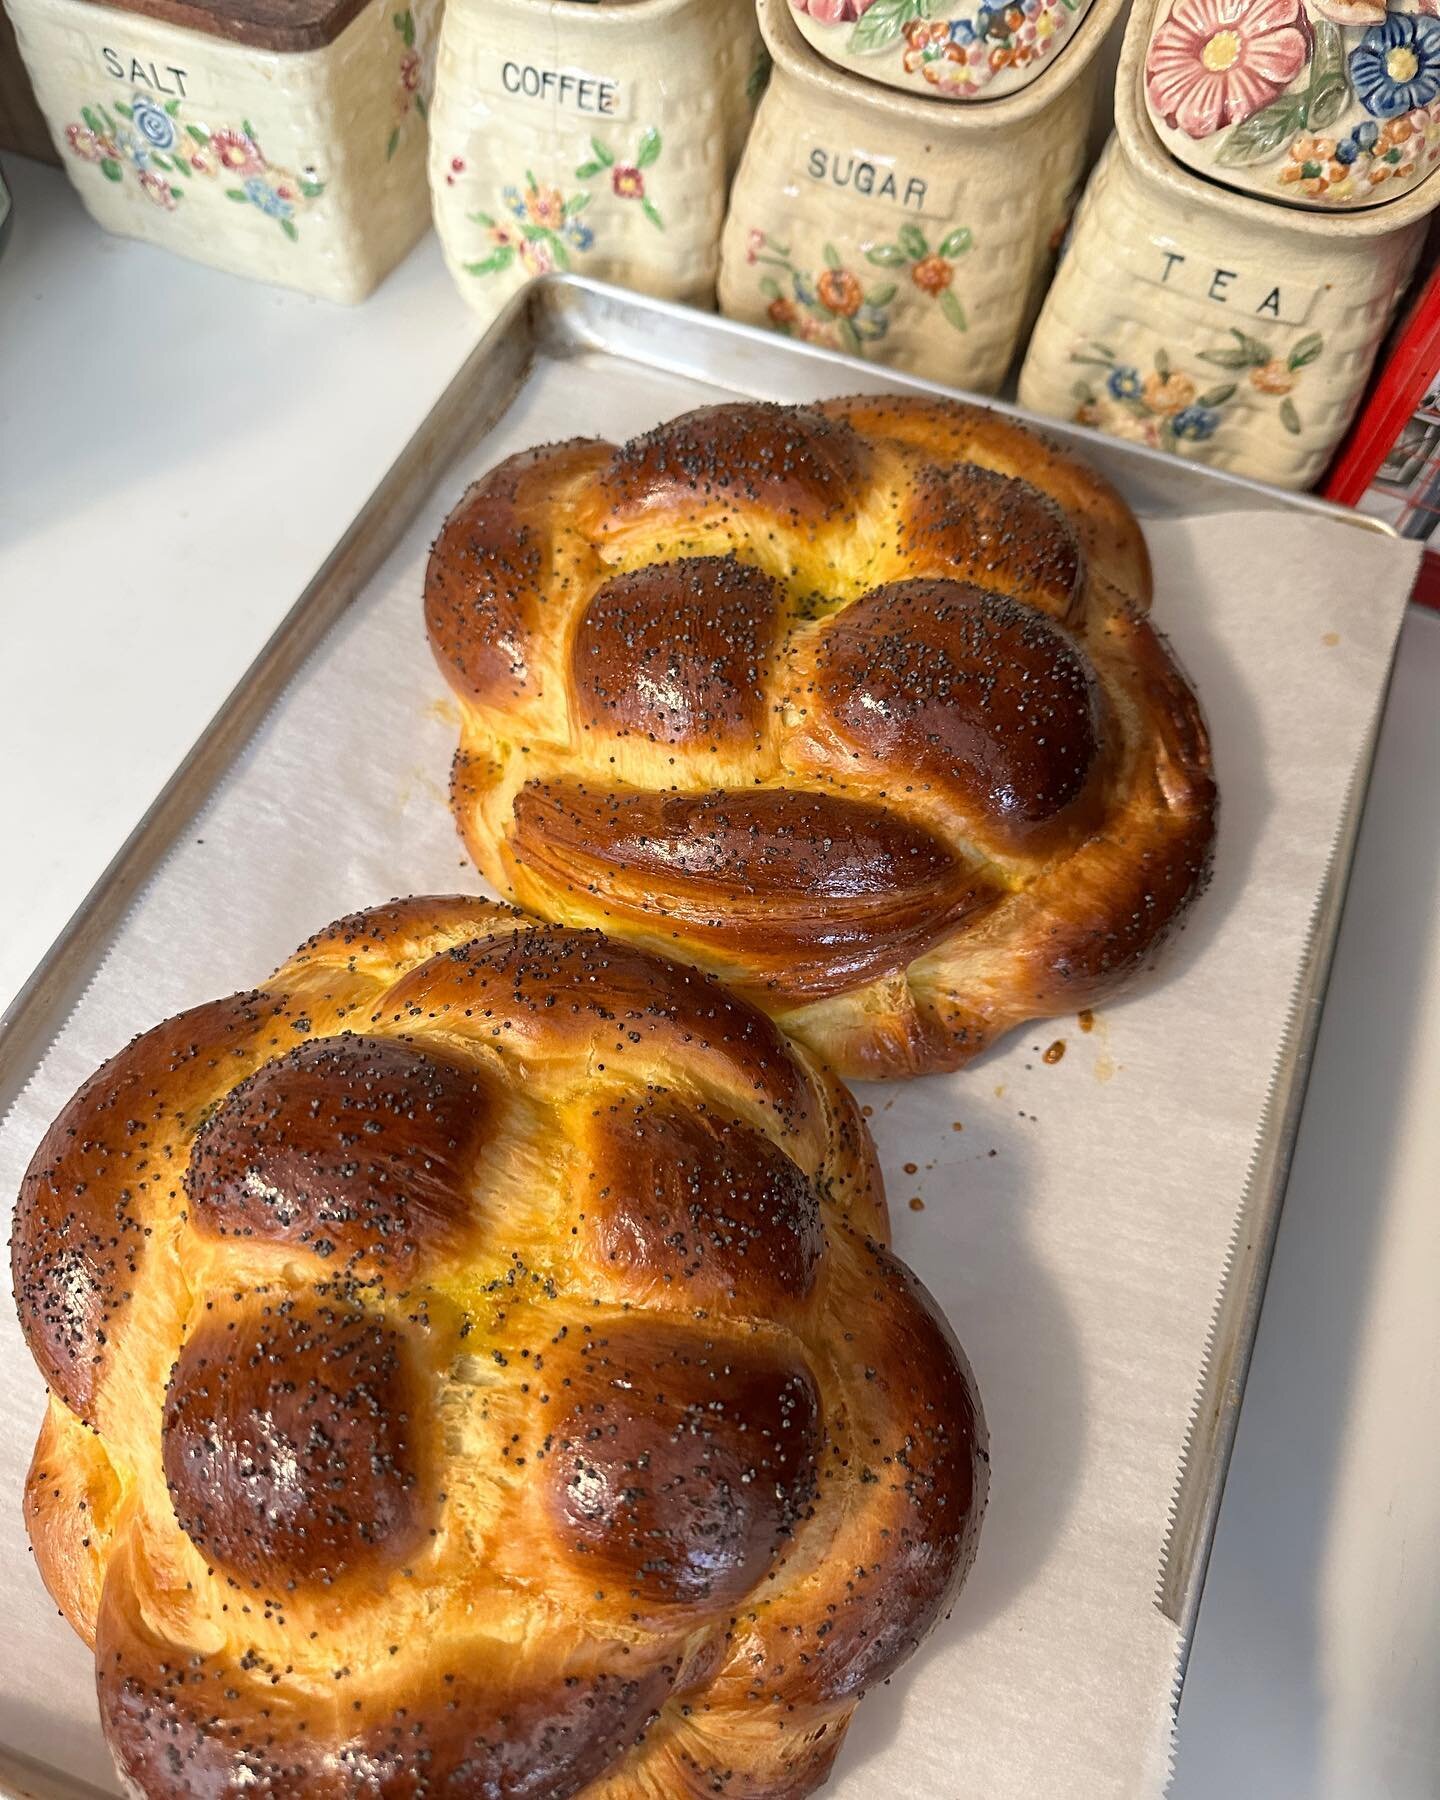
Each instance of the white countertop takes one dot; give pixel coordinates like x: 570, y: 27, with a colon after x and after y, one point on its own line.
x: 178, y: 452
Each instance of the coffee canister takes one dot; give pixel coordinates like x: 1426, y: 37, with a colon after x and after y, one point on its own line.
x: 897, y: 227
x: 599, y: 138
x: 285, y: 143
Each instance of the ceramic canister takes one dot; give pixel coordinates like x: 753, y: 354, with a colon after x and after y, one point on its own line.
x: 598, y: 138
x: 283, y: 143
x: 946, y: 49
x: 1231, y: 330
x: 1323, y: 103
x: 903, y: 229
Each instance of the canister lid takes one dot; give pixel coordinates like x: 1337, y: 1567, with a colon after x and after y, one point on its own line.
x: 942, y: 49
x: 1332, y: 104
x: 283, y: 25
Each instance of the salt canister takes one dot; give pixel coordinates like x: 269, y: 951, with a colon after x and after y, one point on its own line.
x: 1231, y: 330
x: 1332, y: 104
x: 898, y: 227
x: 599, y: 138
x: 285, y: 142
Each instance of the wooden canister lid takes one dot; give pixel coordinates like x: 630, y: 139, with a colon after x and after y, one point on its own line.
x: 280, y: 25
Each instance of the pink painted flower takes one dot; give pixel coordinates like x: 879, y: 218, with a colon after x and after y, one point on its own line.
x: 833, y: 12
x: 627, y: 182
x: 410, y: 71
x: 754, y: 244
x: 157, y: 189
x: 1215, y: 62
x: 201, y: 159
x: 537, y: 257
x: 84, y: 143
x: 237, y: 152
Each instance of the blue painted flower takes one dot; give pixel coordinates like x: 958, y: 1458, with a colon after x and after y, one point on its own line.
x: 1196, y: 423
x: 1396, y: 65
x: 261, y: 194
x: 152, y: 122
x: 870, y: 323
x: 962, y: 32
x: 1346, y: 151
x: 515, y: 200
x: 804, y: 289
x: 1366, y: 135
x: 1124, y: 383
x: 133, y: 147
x: 579, y: 233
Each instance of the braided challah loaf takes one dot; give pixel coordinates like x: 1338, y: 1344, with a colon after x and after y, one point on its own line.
x: 855, y: 705
x: 477, y: 1372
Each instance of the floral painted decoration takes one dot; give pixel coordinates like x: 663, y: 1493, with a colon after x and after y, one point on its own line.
x: 547, y: 227
x: 166, y: 153
x: 408, y: 90
x: 1169, y: 408
x: 627, y: 179
x: 1340, y: 97
x: 958, y: 53
x: 833, y: 307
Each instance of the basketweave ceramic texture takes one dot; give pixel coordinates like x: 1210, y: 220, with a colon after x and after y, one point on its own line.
x: 304, y: 167
x: 1323, y: 103
x: 906, y: 231
x: 1233, y: 331
x: 594, y: 138
x: 943, y: 49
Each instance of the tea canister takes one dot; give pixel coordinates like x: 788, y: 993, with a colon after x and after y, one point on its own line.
x: 1235, y: 331
x: 599, y: 138
x: 944, y: 49
x: 900, y: 228
x: 281, y: 142
x: 1323, y: 103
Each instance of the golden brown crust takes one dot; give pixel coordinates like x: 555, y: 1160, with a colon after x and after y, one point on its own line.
x: 854, y: 705
x: 505, y: 1375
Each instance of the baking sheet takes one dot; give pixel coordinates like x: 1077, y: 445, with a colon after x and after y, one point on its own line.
x: 1080, y: 1262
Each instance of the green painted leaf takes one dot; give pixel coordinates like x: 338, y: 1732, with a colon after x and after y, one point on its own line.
x: 498, y: 259
x: 1217, y: 396
x: 177, y: 193
x: 884, y: 22
x: 159, y: 161
x: 1162, y: 365
x: 1092, y: 362
x: 602, y: 155
x: 577, y: 204
x: 91, y: 120
x: 1329, y: 88
x: 953, y: 310
x: 769, y: 287
x: 1262, y: 134
x: 957, y: 242
x: 832, y: 257
x: 422, y: 106
x: 1226, y: 359
x: 288, y: 227
x: 237, y: 194
x: 1083, y: 392
x: 1306, y: 350
x: 912, y: 242
x: 652, y: 215
x: 1104, y: 350
x: 405, y: 25
x: 482, y: 218
x: 394, y: 143
x: 200, y: 137
x: 586, y: 170
x: 759, y: 77
x: 882, y: 296
x: 109, y: 119
x: 1289, y: 418
x: 312, y: 190
x: 172, y: 107
x: 1257, y: 352
x: 850, y: 337
x: 249, y: 130
x: 886, y: 256
x: 109, y: 168
x: 649, y: 149
x: 125, y: 112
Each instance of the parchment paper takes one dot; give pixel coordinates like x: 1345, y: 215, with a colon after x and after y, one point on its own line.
x: 1076, y: 1229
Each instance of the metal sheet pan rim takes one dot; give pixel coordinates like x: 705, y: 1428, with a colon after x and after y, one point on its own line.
x: 563, y: 316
